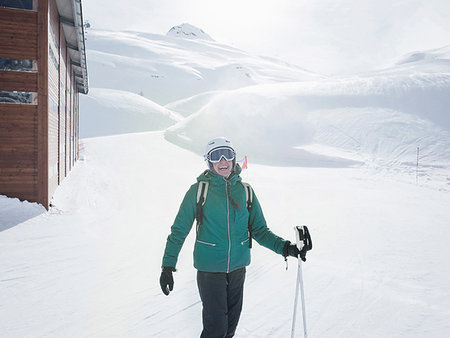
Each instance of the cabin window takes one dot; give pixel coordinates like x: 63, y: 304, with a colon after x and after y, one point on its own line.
x: 18, y: 65
x: 18, y: 97
x: 19, y: 4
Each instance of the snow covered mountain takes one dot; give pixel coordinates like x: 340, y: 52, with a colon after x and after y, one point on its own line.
x: 278, y: 113
x: 165, y: 70
x: 187, y: 31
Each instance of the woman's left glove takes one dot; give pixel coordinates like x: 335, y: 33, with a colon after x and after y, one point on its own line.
x: 166, y: 279
x: 292, y: 250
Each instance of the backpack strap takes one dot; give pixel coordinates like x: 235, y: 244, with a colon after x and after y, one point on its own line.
x: 202, y: 191
x: 249, y: 199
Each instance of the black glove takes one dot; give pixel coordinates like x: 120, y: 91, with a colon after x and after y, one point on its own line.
x: 292, y: 250
x: 166, y: 279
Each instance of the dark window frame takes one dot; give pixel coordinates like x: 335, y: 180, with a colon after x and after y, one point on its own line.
x: 18, y: 97
x: 18, y: 65
x: 18, y: 4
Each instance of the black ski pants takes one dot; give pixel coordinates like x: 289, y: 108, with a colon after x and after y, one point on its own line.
x: 221, y: 295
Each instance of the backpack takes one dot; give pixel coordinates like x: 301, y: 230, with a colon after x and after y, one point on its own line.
x: 202, y: 192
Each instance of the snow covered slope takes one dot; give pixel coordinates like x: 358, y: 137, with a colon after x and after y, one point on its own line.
x: 113, y: 111
x: 90, y: 266
x: 173, y: 69
x: 277, y: 113
x: 168, y: 68
x: 379, y: 118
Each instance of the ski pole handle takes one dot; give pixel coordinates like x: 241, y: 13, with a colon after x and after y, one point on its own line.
x: 303, y: 238
x: 299, y: 237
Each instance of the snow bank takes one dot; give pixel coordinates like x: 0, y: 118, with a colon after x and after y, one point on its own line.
x: 14, y: 212
x: 379, y: 117
x: 192, y: 104
x: 110, y: 111
x: 268, y: 123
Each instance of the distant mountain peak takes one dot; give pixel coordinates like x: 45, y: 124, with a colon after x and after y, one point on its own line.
x: 188, y: 31
x: 442, y: 53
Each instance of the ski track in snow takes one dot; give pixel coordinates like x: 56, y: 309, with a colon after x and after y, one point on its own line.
x: 90, y: 266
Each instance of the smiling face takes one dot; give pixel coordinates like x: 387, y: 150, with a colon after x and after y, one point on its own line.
x: 223, y: 167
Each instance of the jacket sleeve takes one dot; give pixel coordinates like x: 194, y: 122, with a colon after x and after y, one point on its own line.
x: 260, y: 232
x: 181, y: 227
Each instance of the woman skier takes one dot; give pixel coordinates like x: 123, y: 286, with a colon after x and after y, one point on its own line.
x: 226, y: 224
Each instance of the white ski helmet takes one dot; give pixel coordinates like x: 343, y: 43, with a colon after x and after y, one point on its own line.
x: 218, y: 143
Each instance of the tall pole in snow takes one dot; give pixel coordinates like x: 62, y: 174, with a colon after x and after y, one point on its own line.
x: 417, y: 166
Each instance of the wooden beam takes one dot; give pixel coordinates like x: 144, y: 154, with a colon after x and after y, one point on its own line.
x: 18, y: 150
x: 42, y: 137
x: 18, y: 81
x: 18, y: 36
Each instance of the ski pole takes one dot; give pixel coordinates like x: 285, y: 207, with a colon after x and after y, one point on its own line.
x: 303, y: 242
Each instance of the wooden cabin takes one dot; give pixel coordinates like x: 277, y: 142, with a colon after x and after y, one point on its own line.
x: 42, y: 71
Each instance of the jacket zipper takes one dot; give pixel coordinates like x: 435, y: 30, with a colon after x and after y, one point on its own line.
x: 228, y: 226
x: 242, y: 243
x: 211, y: 244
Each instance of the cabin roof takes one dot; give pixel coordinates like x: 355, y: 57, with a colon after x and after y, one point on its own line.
x: 71, y: 17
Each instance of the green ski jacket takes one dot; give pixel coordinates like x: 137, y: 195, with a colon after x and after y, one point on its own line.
x: 222, y: 239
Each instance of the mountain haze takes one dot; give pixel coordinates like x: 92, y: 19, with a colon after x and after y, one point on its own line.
x: 198, y: 87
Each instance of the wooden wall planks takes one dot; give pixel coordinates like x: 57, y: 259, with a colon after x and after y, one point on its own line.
x: 18, y: 150
x: 38, y: 142
x: 18, y: 34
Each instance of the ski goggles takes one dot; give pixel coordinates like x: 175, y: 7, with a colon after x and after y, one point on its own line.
x: 216, y: 155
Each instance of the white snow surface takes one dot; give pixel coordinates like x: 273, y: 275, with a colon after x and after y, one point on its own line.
x: 113, y: 111
x: 90, y: 266
x: 337, y: 154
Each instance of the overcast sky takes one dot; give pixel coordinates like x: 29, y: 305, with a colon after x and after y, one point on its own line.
x: 324, y: 36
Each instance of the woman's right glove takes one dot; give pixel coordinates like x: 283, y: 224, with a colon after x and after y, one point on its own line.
x: 166, y: 279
